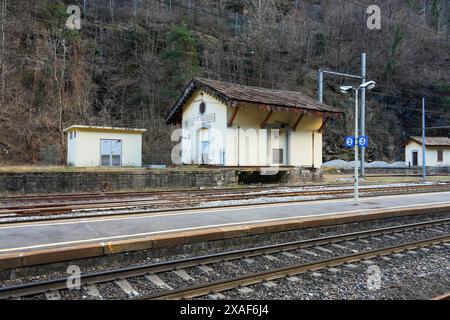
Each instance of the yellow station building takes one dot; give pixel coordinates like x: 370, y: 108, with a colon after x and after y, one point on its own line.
x: 228, y: 124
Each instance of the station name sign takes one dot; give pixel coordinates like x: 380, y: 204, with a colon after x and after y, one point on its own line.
x: 207, y: 118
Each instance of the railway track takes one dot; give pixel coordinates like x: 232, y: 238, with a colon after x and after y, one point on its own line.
x: 125, y: 194
x: 236, y: 268
x: 290, y: 271
x: 442, y: 297
x: 167, y: 201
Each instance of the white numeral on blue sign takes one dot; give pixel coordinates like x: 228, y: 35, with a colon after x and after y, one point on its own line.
x: 349, y: 142
x: 363, y: 142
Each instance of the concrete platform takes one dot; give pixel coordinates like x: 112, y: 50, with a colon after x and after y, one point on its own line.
x: 28, y: 244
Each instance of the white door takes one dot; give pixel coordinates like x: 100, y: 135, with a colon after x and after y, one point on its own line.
x: 110, y: 153
x: 277, y: 143
x: 204, y: 145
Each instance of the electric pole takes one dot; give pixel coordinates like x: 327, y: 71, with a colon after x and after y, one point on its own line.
x: 363, y: 110
x: 424, y: 149
x: 2, y: 53
x: 362, y: 78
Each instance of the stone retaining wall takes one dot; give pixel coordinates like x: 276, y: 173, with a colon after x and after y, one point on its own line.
x: 66, y: 182
x: 63, y: 182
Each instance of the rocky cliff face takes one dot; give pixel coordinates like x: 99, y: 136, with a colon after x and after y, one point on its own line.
x: 131, y: 59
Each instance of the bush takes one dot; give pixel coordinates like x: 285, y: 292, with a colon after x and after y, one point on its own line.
x: 49, y: 155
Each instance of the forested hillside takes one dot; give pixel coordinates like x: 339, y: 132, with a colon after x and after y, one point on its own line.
x: 131, y: 59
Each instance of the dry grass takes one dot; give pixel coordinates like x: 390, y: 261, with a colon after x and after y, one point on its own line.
x: 22, y: 169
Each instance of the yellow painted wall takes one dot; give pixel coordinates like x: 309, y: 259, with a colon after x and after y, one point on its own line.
x: 245, y: 144
x: 300, y: 141
x: 84, y: 150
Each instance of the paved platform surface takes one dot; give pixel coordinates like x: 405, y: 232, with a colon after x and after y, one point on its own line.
x: 39, y: 236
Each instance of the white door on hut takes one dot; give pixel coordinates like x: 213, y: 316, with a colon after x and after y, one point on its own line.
x: 203, y: 145
x: 277, y: 146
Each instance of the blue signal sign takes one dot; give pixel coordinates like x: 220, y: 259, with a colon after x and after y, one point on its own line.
x: 363, y: 141
x: 349, y: 141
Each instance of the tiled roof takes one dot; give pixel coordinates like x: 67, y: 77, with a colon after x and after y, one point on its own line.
x: 233, y: 94
x: 433, y: 141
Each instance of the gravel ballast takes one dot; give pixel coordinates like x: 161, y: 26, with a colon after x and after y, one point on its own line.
x: 419, y: 275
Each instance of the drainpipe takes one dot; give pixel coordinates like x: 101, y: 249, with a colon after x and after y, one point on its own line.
x: 313, y: 149
x: 238, y: 145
